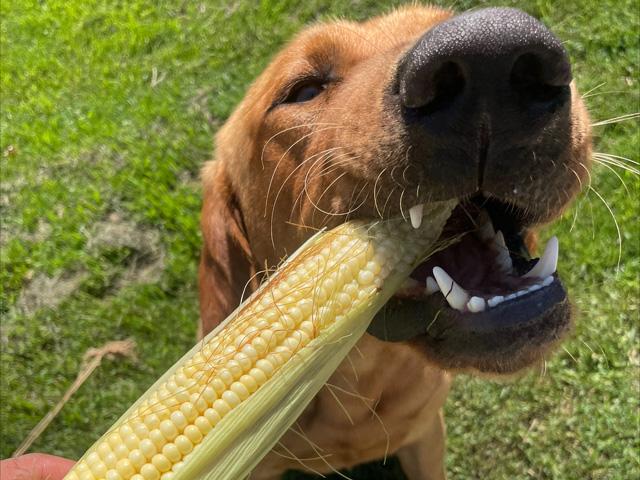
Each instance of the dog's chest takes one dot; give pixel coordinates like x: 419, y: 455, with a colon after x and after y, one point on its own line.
x: 381, y: 397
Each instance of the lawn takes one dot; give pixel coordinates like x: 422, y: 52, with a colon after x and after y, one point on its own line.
x: 108, y: 112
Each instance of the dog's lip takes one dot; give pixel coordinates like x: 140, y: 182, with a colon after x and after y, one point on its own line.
x: 403, y: 319
x: 531, y: 302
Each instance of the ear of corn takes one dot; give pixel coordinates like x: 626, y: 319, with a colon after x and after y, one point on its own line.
x: 225, y: 403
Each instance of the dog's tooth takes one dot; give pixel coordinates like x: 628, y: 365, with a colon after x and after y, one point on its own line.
x: 503, y: 259
x: 498, y: 240
x: 415, y: 213
x: 485, y: 231
x: 533, y: 288
x: 547, y: 281
x: 493, y: 301
x: 511, y: 296
x: 476, y: 304
x: 454, y: 293
x: 431, y: 286
x: 548, y: 262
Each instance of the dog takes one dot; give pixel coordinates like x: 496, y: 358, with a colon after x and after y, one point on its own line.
x: 372, y: 120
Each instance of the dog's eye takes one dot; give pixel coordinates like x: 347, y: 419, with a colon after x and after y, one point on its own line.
x: 305, y: 92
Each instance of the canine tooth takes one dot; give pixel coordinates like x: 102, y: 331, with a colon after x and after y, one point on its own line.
x: 493, y: 301
x: 498, y: 240
x: 520, y: 293
x: 415, y: 213
x: 511, y: 296
x: 485, y: 231
x: 431, y: 286
x: 547, y: 281
x: 533, y: 288
x: 454, y: 293
x: 548, y: 262
x: 476, y: 304
x: 503, y: 259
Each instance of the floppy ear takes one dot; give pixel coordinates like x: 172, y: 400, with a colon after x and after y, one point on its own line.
x: 226, y: 262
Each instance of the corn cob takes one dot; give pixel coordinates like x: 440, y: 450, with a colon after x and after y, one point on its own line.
x: 226, y: 402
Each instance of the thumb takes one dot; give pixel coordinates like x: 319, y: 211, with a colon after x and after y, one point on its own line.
x: 35, y: 466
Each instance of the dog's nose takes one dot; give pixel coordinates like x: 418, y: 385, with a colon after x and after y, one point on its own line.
x: 499, y: 60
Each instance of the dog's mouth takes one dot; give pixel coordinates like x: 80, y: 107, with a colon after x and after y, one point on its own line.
x: 481, y: 301
x: 487, y: 263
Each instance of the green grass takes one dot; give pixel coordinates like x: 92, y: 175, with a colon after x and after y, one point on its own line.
x: 86, y: 138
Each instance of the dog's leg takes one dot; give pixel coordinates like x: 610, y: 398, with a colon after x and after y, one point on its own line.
x: 424, y: 459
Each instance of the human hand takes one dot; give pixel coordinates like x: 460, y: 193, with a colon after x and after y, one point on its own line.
x: 35, y: 466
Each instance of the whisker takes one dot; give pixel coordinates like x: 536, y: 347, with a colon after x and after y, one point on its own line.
x: 355, y: 199
x: 615, y: 222
x: 605, y: 164
x: 618, y: 157
x: 332, y: 165
x: 588, y: 92
x: 616, y: 163
x: 569, y: 353
x: 287, y: 130
x: 584, y: 167
x: 375, y: 194
x: 401, y: 211
x: 621, y: 118
x: 315, y: 205
x: 631, y: 170
x: 275, y: 170
x: 384, y: 208
x: 298, y: 199
x: 275, y: 201
x: 606, y: 92
x: 577, y: 207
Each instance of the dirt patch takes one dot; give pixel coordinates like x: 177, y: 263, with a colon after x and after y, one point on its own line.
x: 146, y: 263
x: 116, y: 232
x: 44, y: 291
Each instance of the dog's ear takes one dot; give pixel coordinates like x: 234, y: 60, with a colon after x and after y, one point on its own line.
x: 226, y: 262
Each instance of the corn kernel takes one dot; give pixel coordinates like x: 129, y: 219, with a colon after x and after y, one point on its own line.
x: 157, y: 437
x: 184, y: 444
x: 124, y: 468
x: 174, y: 420
x: 240, y: 390
x: 212, y: 415
x: 113, y: 475
x: 99, y: 470
x: 203, y: 425
x: 148, y: 448
x: 149, y: 472
x: 230, y: 398
x: 161, y: 462
x: 171, y: 452
x: 137, y: 458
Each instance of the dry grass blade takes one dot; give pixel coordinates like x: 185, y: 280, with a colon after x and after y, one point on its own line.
x: 91, y: 360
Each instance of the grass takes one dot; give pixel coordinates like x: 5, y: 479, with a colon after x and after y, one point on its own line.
x: 108, y: 112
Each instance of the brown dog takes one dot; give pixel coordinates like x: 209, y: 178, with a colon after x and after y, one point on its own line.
x: 372, y: 120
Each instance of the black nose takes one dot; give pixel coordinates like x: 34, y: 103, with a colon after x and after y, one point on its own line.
x: 497, y: 59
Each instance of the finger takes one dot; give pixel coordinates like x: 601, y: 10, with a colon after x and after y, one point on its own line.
x: 35, y: 466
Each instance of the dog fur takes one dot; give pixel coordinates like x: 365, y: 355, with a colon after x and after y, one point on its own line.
x: 281, y: 172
